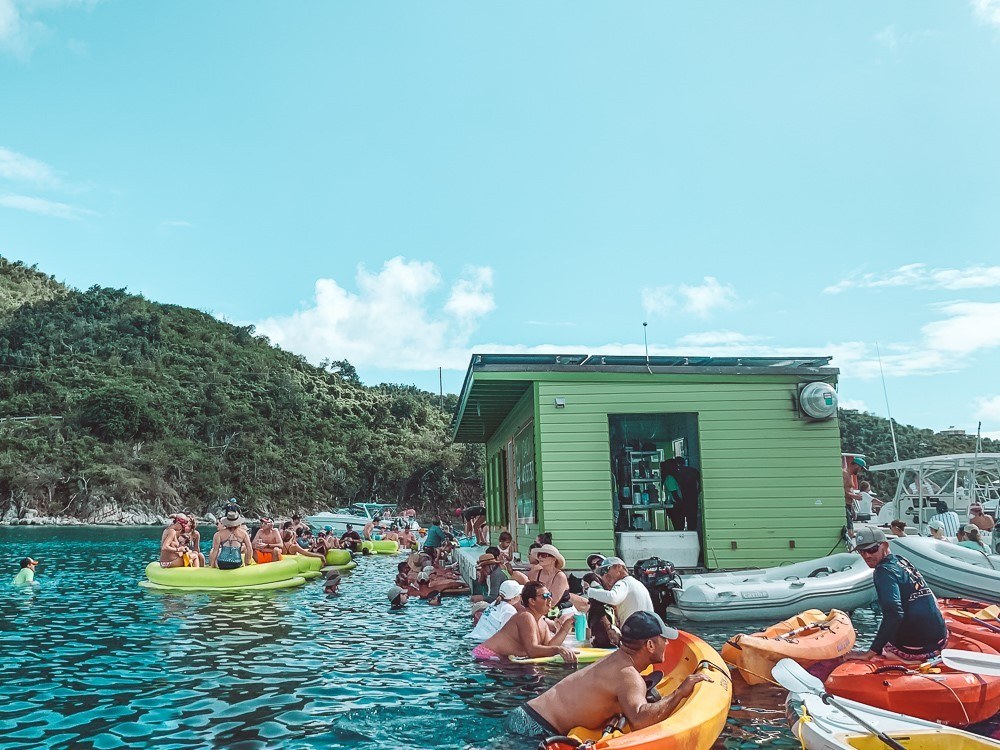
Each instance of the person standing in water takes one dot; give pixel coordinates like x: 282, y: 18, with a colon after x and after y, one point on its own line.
x: 26, y: 575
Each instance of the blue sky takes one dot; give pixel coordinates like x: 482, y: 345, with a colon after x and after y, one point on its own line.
x: 400, y: 184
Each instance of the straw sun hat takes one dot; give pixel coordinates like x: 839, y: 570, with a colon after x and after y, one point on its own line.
x: 548, y: 549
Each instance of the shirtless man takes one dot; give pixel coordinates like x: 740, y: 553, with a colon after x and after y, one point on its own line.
x: 526, y: 633
x: 267, y: 542
x: 173, y: 552
x: 612, y: 686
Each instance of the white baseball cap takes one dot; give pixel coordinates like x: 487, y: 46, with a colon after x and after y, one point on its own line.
x: 510, y: 589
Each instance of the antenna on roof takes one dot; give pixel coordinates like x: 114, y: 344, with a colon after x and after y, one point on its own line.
x: 645, y: 343
x: 885, y: 392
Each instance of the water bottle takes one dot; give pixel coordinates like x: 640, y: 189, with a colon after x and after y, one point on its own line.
x: 580, y: 627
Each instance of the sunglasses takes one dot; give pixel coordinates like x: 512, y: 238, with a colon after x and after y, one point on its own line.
x: 869, y: 550
x: 542, y: 554
x: 547, y: 595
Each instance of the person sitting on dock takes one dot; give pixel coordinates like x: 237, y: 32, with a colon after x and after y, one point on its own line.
x: 912, y: 628
x: 505, y: 544
x: 267, y: 542
x: 547, y: 565
x: 435, y: 539
x: 490, y: 575
x: 527, y: 634
x: 173, y: 552
x: 980, y: 519
x: 948, y: 517
x: 231, y: 547
x: 608, y: 688
x: 623, y: 592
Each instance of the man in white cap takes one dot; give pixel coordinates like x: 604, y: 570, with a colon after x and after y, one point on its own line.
x: 609, y: 687
x: 495, y: 616
x: 621, y: 591
x: 912, y: 628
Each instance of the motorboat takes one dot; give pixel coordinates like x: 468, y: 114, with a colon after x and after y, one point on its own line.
x: 951, y: 570
x: 960, y: 480
x: 842, y: 581
x: 360, y: 514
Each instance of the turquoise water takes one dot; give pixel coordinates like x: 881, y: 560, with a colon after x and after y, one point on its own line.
x: 91, y: 660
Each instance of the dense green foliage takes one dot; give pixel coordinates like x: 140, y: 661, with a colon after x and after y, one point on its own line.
x: 165, y: 407
x: 861, y: 432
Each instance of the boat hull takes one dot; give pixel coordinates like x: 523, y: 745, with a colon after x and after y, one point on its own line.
x: 841, y: 581
x: 952, y: 571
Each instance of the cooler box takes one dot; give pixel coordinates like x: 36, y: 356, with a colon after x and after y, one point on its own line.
x: 682, y: 548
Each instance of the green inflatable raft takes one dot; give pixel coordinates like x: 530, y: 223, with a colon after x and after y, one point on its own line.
x: 286, y: 573
x: 381, y: 547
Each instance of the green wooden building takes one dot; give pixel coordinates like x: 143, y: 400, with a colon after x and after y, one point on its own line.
x: 579, y: 446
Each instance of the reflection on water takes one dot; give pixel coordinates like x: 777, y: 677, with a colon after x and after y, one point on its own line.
x: 92, y: 660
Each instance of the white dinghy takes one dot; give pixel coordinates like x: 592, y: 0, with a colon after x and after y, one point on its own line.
x: 950, y: 570
x: 842, y: 581
x: 820, y: 723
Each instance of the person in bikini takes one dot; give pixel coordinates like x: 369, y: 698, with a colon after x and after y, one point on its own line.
x: 267, y: 543
x: 547, y: 567
x: 291, y: 546
x: 194, y: 538
x: 610, y: 687
x: 174, y: 553
x: 526, y: 633
x: 231, y: 547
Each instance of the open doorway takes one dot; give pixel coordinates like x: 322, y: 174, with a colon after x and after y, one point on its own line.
x: 656, y: 483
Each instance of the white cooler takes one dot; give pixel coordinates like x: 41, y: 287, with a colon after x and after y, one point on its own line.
x: 679, y: 547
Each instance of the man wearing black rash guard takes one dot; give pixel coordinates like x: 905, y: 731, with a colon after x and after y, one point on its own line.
x: 912, y: 627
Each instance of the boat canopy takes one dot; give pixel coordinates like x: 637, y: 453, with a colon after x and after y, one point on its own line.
x: 965, y: 461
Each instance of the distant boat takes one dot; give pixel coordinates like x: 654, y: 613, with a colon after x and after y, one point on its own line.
x: 360, y: 514
x: 960, y: 480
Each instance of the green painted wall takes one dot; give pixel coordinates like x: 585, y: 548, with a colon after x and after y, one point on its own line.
x: 769, y: 476
x: 496, y: 502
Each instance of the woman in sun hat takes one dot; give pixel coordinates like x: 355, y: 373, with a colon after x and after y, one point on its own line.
x: 231, y: 546
x: 547, y: 565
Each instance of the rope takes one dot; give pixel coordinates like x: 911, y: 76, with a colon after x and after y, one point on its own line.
x: 749, y: 671
x: 949, y: 689
x: 803, y: 718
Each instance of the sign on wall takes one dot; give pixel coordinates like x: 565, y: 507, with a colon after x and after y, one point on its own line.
x: 524, y: 474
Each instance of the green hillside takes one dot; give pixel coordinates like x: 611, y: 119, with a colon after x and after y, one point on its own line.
x: 159, y: 407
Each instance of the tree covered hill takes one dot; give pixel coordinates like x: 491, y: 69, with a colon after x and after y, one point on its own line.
x: 861, y: 432
x: 158, y: 407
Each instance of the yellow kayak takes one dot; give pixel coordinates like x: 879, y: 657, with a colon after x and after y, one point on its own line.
x: 697, y: 722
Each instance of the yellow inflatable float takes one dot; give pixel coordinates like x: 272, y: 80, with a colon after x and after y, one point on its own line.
x: 283, y: 574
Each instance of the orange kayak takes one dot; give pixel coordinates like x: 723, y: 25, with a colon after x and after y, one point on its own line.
x: 807, y: 638
x: 697, y: 722
x: 975, y: 620
x: 935, y: 694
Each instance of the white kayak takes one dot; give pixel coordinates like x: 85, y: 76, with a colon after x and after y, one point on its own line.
x: 820, y: 726
x: 842, y: 581
x: 950, y: 570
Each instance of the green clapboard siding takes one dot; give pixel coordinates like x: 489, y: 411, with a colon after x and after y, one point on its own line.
x: 497, y: 516
x: 771, y: 480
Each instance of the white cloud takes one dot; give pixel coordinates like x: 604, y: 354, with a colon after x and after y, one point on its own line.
x: 393, y: 321
x: 716, y: 338
x: 44, y: 207
x: 970, y: 326
x: 987, y: 11
x: 20, y: 30
x: 918, y: 275
x: 20, y: 168
x: 887, y: 38
x: 853, y: 404
x: 988, y: 409
x: 700, y: 300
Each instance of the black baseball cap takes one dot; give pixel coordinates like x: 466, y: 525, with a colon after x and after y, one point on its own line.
x: 641, y: 626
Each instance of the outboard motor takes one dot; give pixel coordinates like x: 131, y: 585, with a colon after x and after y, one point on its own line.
x: 660, y: 578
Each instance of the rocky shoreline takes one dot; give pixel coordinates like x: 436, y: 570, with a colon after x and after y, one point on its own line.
x: 109, y: 515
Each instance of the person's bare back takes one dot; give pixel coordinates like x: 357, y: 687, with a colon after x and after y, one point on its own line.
x: 590, y: 697
x: 514, y: 638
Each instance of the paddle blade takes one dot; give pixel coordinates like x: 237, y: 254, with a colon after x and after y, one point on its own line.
x: 795, y: 679
x: 973, y: 662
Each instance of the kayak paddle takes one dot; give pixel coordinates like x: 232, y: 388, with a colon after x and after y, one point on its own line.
x: 987, y: 665
x: 795, y: 679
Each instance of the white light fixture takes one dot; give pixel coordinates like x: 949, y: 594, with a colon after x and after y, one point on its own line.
x: 560, y: 403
